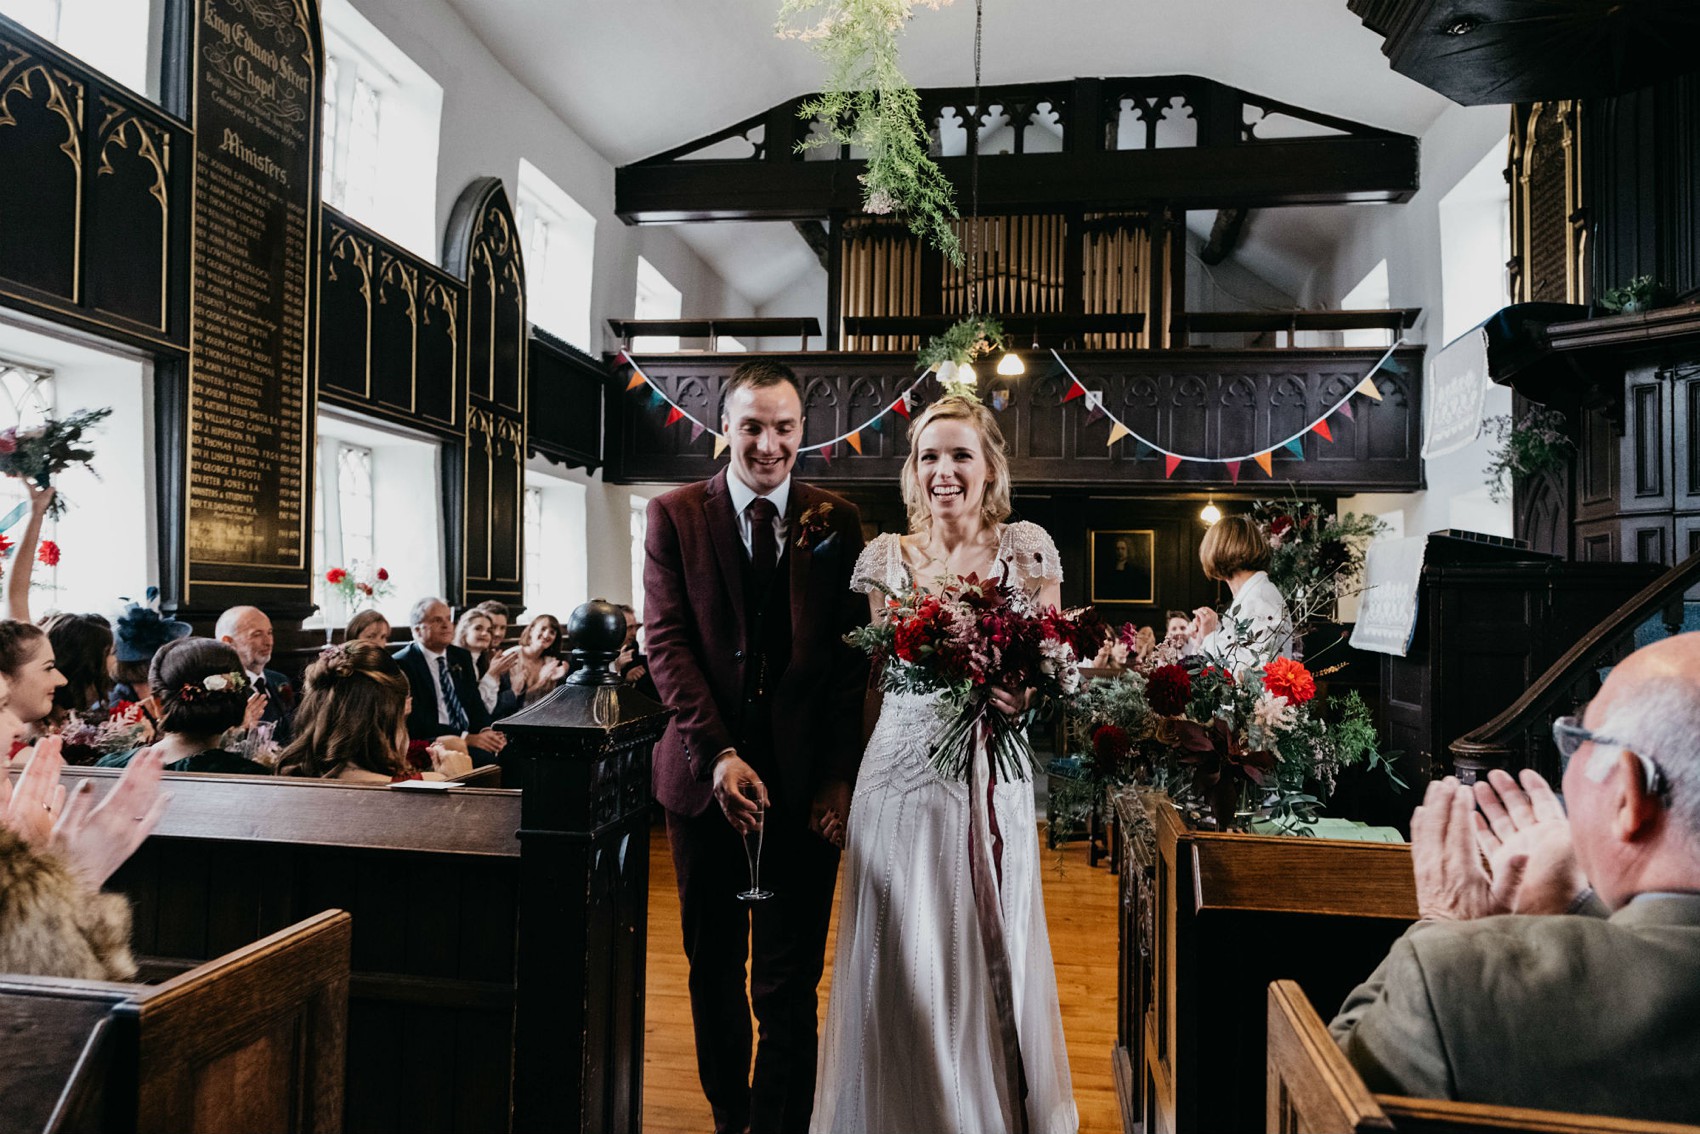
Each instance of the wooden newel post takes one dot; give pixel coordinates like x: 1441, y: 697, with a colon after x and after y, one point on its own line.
x: 582, y: 756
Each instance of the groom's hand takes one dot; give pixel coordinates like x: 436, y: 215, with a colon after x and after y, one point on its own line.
x: 831, y: 812
x: 739, y: 791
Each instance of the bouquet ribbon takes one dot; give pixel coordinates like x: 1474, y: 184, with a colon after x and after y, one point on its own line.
x: 988, y: 912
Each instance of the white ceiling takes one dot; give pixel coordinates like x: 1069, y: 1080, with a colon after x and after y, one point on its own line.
x: 636, y: 77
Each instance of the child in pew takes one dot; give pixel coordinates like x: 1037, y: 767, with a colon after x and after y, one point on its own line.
x: 351, y: 723
x: 198, y: 691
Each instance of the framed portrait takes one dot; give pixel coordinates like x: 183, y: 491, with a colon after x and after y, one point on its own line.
x: 1123, y: 566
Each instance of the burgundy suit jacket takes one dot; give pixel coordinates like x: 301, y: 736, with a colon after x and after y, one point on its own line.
x: 695, y: 632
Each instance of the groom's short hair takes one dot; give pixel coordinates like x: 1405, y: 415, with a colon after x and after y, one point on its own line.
x: 756, y: 375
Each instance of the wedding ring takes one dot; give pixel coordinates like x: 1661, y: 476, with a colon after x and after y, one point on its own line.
x: 139, y: 818
x: 47, y: 807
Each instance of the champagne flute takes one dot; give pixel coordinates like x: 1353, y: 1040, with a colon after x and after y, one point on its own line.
x: 752, y: 852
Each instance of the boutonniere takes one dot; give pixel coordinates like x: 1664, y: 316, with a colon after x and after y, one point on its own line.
x: 814, y: 526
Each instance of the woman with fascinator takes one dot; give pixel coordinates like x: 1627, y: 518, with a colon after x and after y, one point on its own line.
x: 197, y: 692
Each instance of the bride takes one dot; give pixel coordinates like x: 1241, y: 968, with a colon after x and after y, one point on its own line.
x: 943, y: 1015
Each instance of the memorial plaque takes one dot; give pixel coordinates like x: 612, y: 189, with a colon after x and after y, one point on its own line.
x: 256, y: 115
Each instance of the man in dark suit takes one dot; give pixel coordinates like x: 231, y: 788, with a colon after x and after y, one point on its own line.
x: 1565, y: 974
x: 248, y: 631
x: 747, y: 598
x: 444, y: 684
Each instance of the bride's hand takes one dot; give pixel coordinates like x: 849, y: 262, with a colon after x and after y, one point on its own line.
x: 829, y: 816
x: 1011, y: 703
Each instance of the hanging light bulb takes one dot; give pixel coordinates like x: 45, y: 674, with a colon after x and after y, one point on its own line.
x: 965, y: 375
x: 1010, y: 365
x: 1210, y: 513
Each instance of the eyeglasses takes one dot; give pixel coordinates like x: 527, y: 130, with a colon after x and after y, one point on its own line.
x: 1569, y: 735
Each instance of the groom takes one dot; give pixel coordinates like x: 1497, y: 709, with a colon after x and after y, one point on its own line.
x: 747, y: 598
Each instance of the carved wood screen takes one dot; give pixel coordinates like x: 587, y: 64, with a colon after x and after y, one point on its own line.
x: 1549, y: 233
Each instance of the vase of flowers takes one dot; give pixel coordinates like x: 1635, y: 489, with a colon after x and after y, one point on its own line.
x: 358, y: 585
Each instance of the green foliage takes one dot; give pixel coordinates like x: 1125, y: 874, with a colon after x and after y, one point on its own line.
x: 1535, y: 445
x: 867, y: 102
x: 1640, y: 294
x: 961, y: 345
x: 1316, y: 557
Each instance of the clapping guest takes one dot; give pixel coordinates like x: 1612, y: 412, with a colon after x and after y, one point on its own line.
x: 539, y: 668
x: 352, y: 723
x: 1144, y: 645
x: 248, y: 631
x: 631, y: 664
x: 200, y: 692
x: 368, y: 626
x: 499, y: 621
x: 475, y: 633
x: 445, y: 684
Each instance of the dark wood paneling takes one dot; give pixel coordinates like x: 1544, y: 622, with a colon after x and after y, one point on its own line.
x: 1196, y: 402
x: 565, y: 397
x: 1642, y: 161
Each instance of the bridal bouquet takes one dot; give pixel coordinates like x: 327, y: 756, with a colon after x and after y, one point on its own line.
x: 45, y: 451
x: 1229, y: 748
x: 962, y: 642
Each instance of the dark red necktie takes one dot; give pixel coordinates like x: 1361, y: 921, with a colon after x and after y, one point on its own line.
x: 764, y: 545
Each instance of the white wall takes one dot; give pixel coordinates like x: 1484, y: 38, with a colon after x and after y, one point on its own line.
x: 1409, y: 238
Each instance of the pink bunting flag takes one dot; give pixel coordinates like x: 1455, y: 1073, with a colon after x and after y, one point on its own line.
x: 1234, y: 471
x: 697, y: 430
x: 1345, y: 410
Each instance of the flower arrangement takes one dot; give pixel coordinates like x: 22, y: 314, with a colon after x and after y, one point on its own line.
x: 42, y: 453
x: 1230, y: 749
x: 1534, y: 445
x: 1643, y: 293
x: 814, y: 526
x: 867, y: 103
x: 953, y: 353
x: 971, y: 637
x: 233, y: 682
x: 125, y: 727
x: 1316, y: 556
x: 359, y: 584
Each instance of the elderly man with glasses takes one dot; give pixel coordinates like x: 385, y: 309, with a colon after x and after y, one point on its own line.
x: 1557, y: 962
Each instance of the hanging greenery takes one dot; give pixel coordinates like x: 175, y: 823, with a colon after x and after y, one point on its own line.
x: 960, y: 346
x: 868, y: 103
x: 1534, y: 445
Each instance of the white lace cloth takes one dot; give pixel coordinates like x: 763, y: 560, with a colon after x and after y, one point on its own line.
x: 909, y: 1040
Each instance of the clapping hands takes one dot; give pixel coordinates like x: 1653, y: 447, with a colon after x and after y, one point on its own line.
x: 92, y: 839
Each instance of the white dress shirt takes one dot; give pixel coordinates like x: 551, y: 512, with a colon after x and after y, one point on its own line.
x: 1268, y: 633
x: 742, y: 494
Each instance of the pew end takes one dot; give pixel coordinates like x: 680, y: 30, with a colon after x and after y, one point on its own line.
x: 1313, y: 1089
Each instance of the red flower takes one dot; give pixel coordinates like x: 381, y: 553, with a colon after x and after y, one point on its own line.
x: 9, y: 441
x: 127, y: 711
x: 48, y: 553
x: 1280, y: 525
x: 1110, y: 746
x: 365, y: 588
x: 1168, y: 689
x: 5, y: 545
x: 383, y: 575
x: 1290, y: 679
x: 335, y: 576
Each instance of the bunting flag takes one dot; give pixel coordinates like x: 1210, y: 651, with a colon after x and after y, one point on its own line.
x: 675, y: 415
x: 637, y: 379
x: 697, y: 429
x: 719, y: 445
x: 855, y: 442
x: 1293, y: 445
x: 825, y: 452
x: 901, y: 405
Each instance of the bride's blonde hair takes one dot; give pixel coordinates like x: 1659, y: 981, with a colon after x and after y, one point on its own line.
x: 994, y: 505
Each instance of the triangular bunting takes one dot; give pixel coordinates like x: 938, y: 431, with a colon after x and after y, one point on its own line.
x: 1368, y: 389
x: 855, y: 441
x: 675, y: 415
x: 1297, y: 448
x: 1094, y: 414
x: 657, y: 398
x: 697, y: 430
x: 1117, y: 432
x: 876, y: 426
x: 901, y: 405
x: 1170, y: 464
x: 1075, y: 390
x: 719, y: 445
x: 1322, y: 428
x: 1264, y: 463
x: 636, y: 381
x: 825, y: 452
x: 1391, y: 366
x: 1234, y: 470
x: 1345, y: 409
x: 1141, y: 449
x: 621, y: 358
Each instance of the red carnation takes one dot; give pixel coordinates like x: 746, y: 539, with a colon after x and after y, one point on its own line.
x: 1280, y: 525
x: 5, y: 545
x: 1168, y: 689
x: 1290, y: 679
x: 383, y: 575
x: 1110, y: 746
x: 48, y: 553
x: 335, y: 576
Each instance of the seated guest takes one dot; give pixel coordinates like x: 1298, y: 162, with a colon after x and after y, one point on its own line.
x: 54, y: 858
x: 248, y: 631
x: 474, y: 633
x: 500, y: 619
x: 352, y: 723
x: 538, y: 667
x: 1564, y: 974
x: 444, y: 684
x: 631, y: 664
x: 32, y: 677
x: 200, y: 692
x: 82, y: 649
x: 1177, y: 626
x: 1255, y: 628
x: 368, y: 626
x: 138, y: 634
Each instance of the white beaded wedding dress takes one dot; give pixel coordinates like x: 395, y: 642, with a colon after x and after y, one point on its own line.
x: 914, y: 1038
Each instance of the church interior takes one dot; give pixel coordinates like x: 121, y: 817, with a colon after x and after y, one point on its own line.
x: 432, y: 353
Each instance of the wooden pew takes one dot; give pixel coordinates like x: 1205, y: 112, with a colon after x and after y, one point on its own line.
x: 251, y: 1041
x: 1314, y: 1090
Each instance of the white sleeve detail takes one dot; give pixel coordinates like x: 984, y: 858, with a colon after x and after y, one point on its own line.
x: 876, y: 564
x: 1033, y: 553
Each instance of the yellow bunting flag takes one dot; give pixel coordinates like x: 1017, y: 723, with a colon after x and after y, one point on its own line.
x: 855, y: 441
x: 1117, y: 432
x: 1368, y: 389
x: 637, y: 380
x: 1264, y: 463
x: 719, y: 445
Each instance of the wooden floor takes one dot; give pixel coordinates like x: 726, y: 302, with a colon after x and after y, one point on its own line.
x: 1080, y: 907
